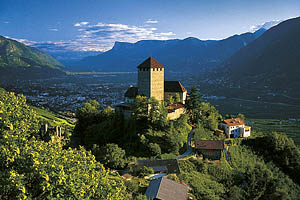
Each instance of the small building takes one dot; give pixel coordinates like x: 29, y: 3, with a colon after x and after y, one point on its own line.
x: 175, y: 111
x: 171, y: 88
x: 160, y: 166
x: 211, y: 149
x: 166, y: 189
x: 235, y: 128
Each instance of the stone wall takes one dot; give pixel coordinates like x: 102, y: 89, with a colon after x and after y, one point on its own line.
x: 176, y: 114
x: 157, y: 83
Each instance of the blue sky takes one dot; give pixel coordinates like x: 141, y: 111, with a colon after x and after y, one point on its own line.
x: 97, y: 24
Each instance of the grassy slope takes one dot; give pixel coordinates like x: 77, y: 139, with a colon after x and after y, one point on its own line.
x: 52, y: 118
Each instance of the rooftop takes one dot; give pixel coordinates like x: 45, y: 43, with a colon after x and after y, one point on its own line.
x: 166, y: 189
x: 169, y: 165
x: 209, y: 144
x: 234, y: 122
x: 131, y: 92
x: 174, y: 86
x: 150, y: 63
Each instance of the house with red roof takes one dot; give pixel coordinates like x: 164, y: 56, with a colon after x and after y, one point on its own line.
x: 235, y: 128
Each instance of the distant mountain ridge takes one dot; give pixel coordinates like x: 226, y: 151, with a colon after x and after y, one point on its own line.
x: 273, y: 60
x: 190, y: 54
x: 19, y: 61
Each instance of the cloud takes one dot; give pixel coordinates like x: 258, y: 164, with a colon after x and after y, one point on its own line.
x: 266, y: 25
x: 151, y: 21
x: 53, y: 29
x: 167, y: 34
x: 104, y: 35
x: 81, y: 24
x: 101, y: 37
x: 6, y: 22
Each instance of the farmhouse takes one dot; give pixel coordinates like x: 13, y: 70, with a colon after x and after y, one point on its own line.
x: 166, y: 189
x: 235, y: 128
x: 211, y: 149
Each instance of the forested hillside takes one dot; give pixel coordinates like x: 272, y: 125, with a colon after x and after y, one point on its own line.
x: 18, y: 61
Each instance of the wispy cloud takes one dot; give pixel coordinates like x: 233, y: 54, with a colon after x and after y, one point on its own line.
x: 151, y: 21
x: 104, y: 35
x: 101, y: 37
x: 6, y: 22
x: 81, y: 24
x: 53, y: 29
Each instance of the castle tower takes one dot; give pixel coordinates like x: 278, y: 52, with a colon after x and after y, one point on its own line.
x: 151, y: 79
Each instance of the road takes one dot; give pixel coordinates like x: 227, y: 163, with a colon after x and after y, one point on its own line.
x: 189, y: 149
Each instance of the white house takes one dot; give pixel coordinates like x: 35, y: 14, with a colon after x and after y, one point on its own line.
x: 235, y: 128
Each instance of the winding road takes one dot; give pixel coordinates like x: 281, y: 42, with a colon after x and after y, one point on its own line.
x: 189, y: 149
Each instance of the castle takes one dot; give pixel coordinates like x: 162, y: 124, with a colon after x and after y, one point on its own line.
x: 151, y: 83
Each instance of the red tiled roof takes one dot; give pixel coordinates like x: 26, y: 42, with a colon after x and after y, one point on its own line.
x: 173, y: 86
x: 209, y: 144
x: 234, y: 122
x: 131, y: 92
x: 150, y: 63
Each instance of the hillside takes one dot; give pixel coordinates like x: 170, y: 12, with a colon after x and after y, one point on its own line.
x: 190, y: 54
x: 271, y: 61
x: 18, y: 61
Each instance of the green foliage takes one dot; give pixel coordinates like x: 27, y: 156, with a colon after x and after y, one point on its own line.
x: 170, y: 100
x: 203, y: 186
x: 154, y: 149
x: 281, y: 150
x: 111, y: 155
x: 132, y: 186
x: 201, y: 112
x: 140, y: 109
x: 39, y: 170
x: 145, y: 171
x: 209, y: 116
x: 201, y: 133
x: 177, y: 98
x: 193, y: 105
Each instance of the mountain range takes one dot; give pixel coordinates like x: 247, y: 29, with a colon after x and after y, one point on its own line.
x: 186, y: 55
x: 18, y: 61
x: 271, y: 61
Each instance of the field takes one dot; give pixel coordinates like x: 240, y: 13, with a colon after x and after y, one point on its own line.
x: 292, y: 129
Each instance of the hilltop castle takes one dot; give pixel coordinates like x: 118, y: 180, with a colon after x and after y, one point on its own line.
x: 151, y: 83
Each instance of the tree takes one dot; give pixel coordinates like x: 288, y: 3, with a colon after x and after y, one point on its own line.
x: 193, y: 105
x: 87, y: 115
x: 140, y: 109
x: 154, y: 149
x: 112, y: 156
x: 157, y: 113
